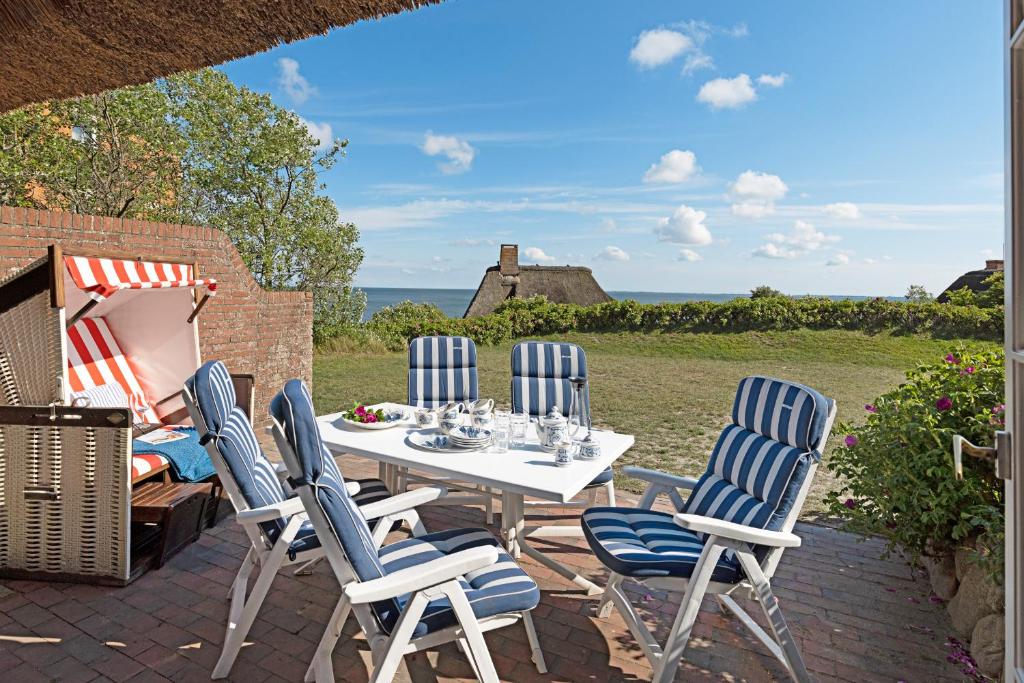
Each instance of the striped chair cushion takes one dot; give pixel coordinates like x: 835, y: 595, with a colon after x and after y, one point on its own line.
x: 293, y: 409
x: 236, y: 441
x: 496, y: 589
x: 95, y: 358
x: 645, y: 543
x: 442, y: 370
x: 144, y: 463
x: 783, y: 411
x: 540, y: 377
x: 370, y: 491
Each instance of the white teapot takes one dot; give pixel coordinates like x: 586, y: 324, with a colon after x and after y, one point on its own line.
x: 552, y: 429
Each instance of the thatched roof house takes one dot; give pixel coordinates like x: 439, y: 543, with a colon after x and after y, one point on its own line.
x: 509, y: 280
x: 973, y: 280
x: 53, y: 49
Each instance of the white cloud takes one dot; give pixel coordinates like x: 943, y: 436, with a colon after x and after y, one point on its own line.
x: 292, y: 82
x: 609, y: 225
x: 754, y: 194
x: 658, y: 46
x: 773, y: 81
x: 689, y: 255
x: 842, y: 210
x: 676, y: 166
x: 459, y: 152
x: 840, y: 260
x: 697, y: 61
x: 772, y: 250
x: 537, y: 255
x: 803, y: 238
x: 727, y: 93
x: 684, y: 226
x: 611, y: 253
x: 321, y: 132
x: 473, y: 242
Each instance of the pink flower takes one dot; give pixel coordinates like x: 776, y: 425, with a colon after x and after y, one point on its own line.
x: 999, y: 408
x: 950, y: 358
x: 944, y: 403
x: 969, y: 370
x: 370, y: 418
x: 850, y: 504
x: 870, y: 408
x: 361, y: 411
x: 851, y: 441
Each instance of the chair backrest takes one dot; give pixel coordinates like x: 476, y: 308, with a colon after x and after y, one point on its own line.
x: 246, y: 473
x: 95, y: 359
x: 540, y: 377
x: 442, y: 370
x: 760, y: 469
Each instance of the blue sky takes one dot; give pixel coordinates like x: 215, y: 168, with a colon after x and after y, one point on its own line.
x: 828, y: 147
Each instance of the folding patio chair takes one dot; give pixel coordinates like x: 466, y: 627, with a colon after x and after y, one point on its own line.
x: 409, y: 596
x: 279, y: 533
x: 443, y: 370
x: 728, y: 535
x: 540, y: 382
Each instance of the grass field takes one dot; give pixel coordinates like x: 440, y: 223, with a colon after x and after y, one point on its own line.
x: 673, y: 391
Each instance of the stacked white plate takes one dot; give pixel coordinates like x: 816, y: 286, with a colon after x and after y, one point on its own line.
x: 466, y: 436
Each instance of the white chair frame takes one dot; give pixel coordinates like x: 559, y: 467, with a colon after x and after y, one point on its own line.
x: 719, y: 536
x: 434, y: 579
x: 271, y: 557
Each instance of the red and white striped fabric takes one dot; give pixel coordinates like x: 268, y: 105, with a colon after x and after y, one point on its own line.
x: 101, y: 277
x: 94, y: 358
x: 144, y: 463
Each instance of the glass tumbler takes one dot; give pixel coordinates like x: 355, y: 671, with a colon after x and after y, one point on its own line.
x: 520, y: 425
x: 502, y: 431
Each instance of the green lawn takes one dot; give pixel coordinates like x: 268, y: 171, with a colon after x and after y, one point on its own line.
x: 673, y: 391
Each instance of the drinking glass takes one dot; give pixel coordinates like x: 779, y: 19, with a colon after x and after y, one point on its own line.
x: 520, y: 423
x: 502, y: 430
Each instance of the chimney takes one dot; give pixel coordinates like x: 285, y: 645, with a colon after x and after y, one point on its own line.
x: 994, y: 264
x: 508, y: 267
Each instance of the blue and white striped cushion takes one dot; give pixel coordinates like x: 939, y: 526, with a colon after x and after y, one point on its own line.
x: 293, y: 409
x: 540, y: 377
x: 370, y: 491
x: 496, y: 589
x: 635, y: 542
x: 442, y: 370
x: 784, y: 411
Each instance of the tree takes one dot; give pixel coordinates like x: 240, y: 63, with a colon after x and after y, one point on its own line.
x: 195, y: 148
x: 917, y: 294
x: 764, y: 292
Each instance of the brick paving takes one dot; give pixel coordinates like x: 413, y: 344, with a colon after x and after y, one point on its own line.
x: 857, y: 617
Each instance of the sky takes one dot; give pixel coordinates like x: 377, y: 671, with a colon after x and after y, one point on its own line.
x: 827, y: 147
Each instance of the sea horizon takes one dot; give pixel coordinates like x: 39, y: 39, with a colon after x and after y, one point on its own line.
x: 453, y: 301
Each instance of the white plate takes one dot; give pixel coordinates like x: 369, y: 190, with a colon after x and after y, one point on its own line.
x: 436, y: 443
x: 469, y: 434
x: 389, y: 410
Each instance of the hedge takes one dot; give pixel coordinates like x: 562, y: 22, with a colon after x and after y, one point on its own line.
x: 518, y: 318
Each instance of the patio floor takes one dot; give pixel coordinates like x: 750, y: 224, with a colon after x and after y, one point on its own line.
x: 857, y: 617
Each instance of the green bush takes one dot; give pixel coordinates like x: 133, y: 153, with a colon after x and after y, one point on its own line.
x: 897, y: 467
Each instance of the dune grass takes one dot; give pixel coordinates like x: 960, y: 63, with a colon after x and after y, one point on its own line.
x: 672, y: 391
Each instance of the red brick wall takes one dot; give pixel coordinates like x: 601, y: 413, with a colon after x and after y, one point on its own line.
x: 267, y: 334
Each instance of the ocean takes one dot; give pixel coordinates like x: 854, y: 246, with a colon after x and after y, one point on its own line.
x: 455, y: 301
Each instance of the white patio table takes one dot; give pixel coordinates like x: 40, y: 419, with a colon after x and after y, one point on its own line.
x: 517, y: 473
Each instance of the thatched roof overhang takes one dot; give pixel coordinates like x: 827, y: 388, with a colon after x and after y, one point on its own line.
x: 54, y: 49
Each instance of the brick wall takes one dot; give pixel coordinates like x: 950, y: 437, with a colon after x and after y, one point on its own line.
x: 267, y: 334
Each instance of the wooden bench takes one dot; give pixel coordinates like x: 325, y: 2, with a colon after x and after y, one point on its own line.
x: 166, y: 517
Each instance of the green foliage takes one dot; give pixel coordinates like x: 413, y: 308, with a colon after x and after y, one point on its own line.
x: 764, y: 291
x: 897, y: 468
x: 990, y: 296
x: 519, y: 318
x: 197, y: 149
x: 917, y: 294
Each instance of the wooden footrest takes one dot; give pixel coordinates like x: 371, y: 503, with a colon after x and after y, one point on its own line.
x: 177, y: 508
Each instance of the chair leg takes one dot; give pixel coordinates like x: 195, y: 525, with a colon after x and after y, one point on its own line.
x: 386, y: 669
x: 770, y: 605
x: 592, y: 497
x: 610, y: 489
x: 243, y: 575
x: 604, y: 607
x: 468, y: 653
x: 321, y: 668
x: 668, y: 663
x: 489, y: 506
x: 473, y: 635
x: 306, y: 568
x: 531, y: 635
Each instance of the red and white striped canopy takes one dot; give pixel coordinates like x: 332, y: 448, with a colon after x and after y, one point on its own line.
x: 101, y: 277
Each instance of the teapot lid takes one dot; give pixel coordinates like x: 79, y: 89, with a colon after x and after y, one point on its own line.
x: 553, y: 415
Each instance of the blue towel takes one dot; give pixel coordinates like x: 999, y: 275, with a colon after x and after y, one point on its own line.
x: 189, y: 460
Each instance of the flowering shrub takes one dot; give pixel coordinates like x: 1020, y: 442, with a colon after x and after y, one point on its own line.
x: 897, y: 467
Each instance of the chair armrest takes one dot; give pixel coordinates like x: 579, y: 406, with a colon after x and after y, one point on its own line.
x: 737, y: 532
x: 402, y: 501
x: 422, y: 576
x: 662, y: 478
x: 353, y: 487
x: 267, y: 513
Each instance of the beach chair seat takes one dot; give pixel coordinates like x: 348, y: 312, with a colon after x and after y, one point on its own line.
x: 729, y: 532
x: 146, y: 465
x: 279, y: 533
x: 412, y: 595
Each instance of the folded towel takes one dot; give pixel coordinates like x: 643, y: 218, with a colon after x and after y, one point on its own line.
x: 189, y: 460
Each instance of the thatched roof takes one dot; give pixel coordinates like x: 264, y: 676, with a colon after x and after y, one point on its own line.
x: 972, y: 280
x: 560, y: 284
x: 53, y: 49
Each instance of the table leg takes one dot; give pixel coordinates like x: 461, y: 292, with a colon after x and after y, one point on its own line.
x: 509, y: 518
x: 523, y: 536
